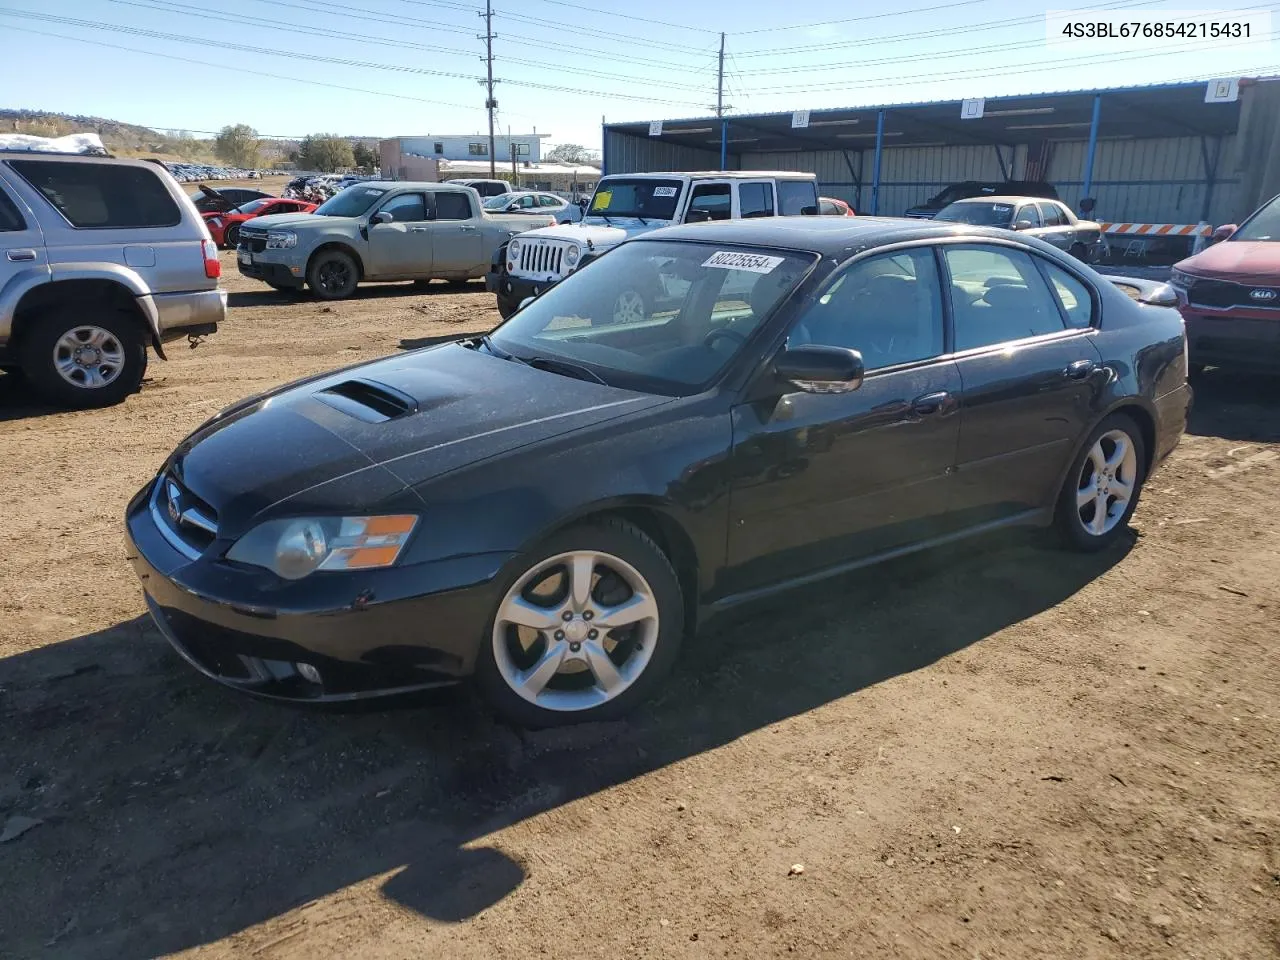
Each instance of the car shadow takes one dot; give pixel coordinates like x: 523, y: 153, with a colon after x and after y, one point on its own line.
x: 370, y: 291
x: 191, y: 813
x: 1236, y: 406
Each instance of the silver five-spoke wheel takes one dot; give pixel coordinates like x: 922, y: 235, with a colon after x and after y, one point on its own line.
x: 89, y: 357
x: 1107, y: 482
x: 628, y: 307
x: 575, y: 630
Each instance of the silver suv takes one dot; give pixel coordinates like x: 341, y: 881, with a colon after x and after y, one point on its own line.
x: 98, y: 258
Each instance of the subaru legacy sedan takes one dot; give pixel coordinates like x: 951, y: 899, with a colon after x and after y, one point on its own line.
x: 555, y: 506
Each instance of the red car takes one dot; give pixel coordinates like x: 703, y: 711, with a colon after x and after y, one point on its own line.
x: 831, y: 207
x: 225, y: 227
x: 1229, y: 295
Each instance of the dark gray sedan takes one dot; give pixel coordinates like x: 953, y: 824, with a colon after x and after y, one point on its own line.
x: 1050, y: 220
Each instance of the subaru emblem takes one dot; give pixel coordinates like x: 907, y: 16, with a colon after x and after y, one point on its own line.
x: 1263, y: 294
x: 174, y: 497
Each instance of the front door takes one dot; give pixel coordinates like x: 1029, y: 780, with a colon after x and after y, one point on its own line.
x: 1028, y: 370
x: 458, y: 239
x: 401, y: 248
x: 824, y: 479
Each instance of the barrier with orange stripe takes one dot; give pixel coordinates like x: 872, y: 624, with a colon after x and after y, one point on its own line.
x: 1199, y: 233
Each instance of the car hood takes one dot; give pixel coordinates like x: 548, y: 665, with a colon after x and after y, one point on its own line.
x: 1244, y: 261
x: 595, y: 234
x: 374, y: 430
x: 291, y: 220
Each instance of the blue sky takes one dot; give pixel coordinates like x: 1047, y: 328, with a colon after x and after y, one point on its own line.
x: 563, y: 65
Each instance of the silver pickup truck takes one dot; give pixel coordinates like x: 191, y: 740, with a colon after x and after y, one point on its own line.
x: 376, y: 231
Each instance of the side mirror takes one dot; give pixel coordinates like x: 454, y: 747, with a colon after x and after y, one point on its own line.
x: 511, y: 207
x: 1224, y: 232
x: 820, y: 369
x: 1023, y: 225
x: 525, y: 302
x: 382, y: 217
x: 697, y: 216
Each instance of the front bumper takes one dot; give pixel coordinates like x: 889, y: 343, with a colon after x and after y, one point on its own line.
x: 179, y: 312
x: 515, y: 289
x: 368, y: 634
x: 1245, y: 339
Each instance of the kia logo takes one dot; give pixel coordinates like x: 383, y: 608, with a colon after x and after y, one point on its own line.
x: 1263, y: 295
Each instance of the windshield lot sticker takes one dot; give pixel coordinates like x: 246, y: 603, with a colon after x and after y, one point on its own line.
x: 602, y: 200
x: 753, y: 262
x: 664, y: 191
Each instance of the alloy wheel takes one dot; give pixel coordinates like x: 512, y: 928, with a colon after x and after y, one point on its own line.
x: 88, y: 357
x: 1107, y: 482
x: 575, y: 631
x: 628, y: 307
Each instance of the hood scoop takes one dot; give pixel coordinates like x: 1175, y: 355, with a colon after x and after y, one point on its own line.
x: 368, y: 400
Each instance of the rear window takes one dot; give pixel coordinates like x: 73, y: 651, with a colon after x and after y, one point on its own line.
x: 452, y: 206
x: 10, y: 219
x: 97, y: 196
x: 797, y: 198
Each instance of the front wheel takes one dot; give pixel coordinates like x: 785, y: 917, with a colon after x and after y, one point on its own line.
x: 333, y: 275
x: 587, y: 628
x: 507, y: 306
x: 80, y: 356
x: 231, y: 236
x: 1103, y: 485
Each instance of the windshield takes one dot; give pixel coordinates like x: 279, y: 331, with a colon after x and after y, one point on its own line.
x: 957, y: 191
x: 979, y: 214
x: 648, y: 199
x: 1263, y: 225
x: 354, y: 201
x: 253, y: 206
x: 501, y: 202
x: 661, y: 317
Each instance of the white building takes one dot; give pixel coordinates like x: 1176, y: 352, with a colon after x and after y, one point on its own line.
x: 527, y: 147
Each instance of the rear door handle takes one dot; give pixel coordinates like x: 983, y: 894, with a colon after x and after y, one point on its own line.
x: 932, y: 403
x: 418, y: 230
x: 20, y: 256
x: 467, y: 228
x: 1080, y: 370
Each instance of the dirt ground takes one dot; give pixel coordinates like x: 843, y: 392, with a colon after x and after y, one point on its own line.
x: 999, y: 750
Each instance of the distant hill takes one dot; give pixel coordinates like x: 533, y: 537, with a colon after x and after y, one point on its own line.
x: 122, y: 139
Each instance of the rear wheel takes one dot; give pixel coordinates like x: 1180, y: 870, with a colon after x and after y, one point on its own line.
x: 231, y: 236
x: 333, y: 275
x: 80, y: 356
x: 586, y: 630
x: 1102, y: 488
x: 1079, y: 252
x: 459, y: 284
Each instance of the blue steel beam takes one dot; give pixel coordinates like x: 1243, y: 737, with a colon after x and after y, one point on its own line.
x: 875, y: 169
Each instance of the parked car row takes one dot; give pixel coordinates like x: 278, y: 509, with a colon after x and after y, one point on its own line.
x: 198, y: 172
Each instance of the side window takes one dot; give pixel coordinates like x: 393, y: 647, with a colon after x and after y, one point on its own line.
x: 998, y: 295
x: 714, y: 198
x: 756, y: 199
x: 406, y: 208
x: 452, y: 206
x: 10, y: 218
x: 888, y: 308
x: 102, y: 195
x: 1029, y: 212
x: 526, y: 203
x: 1074, y: 296
x: 1052, y: 217
x: 797, y: 198
x: 546, y: 201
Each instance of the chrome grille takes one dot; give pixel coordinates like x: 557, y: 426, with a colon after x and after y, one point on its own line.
x: 541, y: 258
x: 189, y: 524
x: 1221, y: 294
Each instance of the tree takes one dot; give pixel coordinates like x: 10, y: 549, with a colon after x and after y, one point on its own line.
x: 237, y: 145
x: 325, y: 152
x: 571, y: 153
x: 365, y: 156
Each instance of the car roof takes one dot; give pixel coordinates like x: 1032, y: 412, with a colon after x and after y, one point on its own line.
x: 717, y: 175
x: 1007, y: 199
x: 828, y: 236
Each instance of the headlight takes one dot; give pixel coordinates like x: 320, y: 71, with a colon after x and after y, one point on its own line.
x: 1179, y: 279
x: 513, y: 248
x: 294, y: 548
x: 571, y: 256
x: 281, y: 239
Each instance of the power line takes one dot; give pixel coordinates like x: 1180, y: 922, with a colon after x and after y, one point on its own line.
x: 871, y: 16
x: 627, y: 16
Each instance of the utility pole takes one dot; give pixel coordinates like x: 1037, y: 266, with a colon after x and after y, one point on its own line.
x: 490, y: 103
x: 515, y: 175
x: 720, y: 81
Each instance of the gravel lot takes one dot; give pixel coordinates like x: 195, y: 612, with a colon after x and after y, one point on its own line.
x: 999, y: 750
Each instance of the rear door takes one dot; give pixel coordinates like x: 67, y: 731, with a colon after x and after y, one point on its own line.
x: 1028, y: 371
x: 22, y: 254
x: 457, y: 238
x: 756, y: 199
x: 403, y: 247
x: 1057, y: 227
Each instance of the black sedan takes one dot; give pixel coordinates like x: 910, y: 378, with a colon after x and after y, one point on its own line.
x: 555, y: 506
x: 1050, y: 220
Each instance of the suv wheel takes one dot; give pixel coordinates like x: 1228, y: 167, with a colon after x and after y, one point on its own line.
x: 333, y: 275
x: 231, y: 236
x: 81, y: 357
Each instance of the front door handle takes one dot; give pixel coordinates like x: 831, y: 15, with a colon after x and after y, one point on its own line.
x: 466, y: 228
x: 20, y: 256
x: 933, y: 403
x: 418, y: 230
x: 1080, y: 370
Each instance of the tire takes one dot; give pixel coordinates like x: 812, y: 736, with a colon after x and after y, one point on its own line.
x: 1076, y: 513
x: 459, y: 284
x: 507, y: 306
x: 628, y: 564
x: 333, y: 275
x: 115, y: 337
x: 1079, y: 252
x: 231, y: 236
